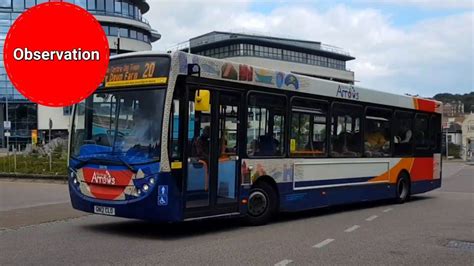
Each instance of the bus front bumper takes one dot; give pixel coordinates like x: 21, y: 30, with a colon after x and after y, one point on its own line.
x: 150, y: 207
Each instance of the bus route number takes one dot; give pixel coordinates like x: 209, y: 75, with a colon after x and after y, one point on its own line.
x: 149, y: 70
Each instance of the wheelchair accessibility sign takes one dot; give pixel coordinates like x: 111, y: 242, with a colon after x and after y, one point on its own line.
x: 162, y: 195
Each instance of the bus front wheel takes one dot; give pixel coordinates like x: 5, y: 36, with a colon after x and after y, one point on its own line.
x: 262, y: 204
x: 403, y: 188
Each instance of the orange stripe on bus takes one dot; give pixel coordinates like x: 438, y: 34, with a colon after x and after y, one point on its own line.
x: 426, y: 105
x: 392, y: 174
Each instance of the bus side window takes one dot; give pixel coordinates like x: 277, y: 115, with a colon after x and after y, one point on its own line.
x: 435, y: 133
x: 421, y: 134
x: 377, y: 132
x: 308, y: 128
x: 403, y: 134
x: 346, y: 138
x: 266, y: 125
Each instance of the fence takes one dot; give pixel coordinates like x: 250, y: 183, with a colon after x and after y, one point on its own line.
x: 51, y: 162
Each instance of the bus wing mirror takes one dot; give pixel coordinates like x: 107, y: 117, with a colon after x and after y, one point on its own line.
x: 202, y: 100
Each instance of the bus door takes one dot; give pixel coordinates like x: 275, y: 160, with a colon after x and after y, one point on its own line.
x: 211, y: 163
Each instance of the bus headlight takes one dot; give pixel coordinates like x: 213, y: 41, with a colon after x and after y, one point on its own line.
x: 75, y: 181
x: 152, y: 181
x: 145, y: 188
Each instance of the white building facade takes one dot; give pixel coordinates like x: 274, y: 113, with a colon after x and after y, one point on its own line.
x: 468, y: 138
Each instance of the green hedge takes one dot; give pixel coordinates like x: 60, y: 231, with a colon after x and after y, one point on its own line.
x: 33, y: 164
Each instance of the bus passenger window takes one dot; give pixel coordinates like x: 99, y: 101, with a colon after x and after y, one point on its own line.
x: 308, y: 128
x: 421, y: 134
x: 266, y: 125
x: 403, y: 135
x: 377, y: 132
x: 346, y: 139
x: 435, y: 133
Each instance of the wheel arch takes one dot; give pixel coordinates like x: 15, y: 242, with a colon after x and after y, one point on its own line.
x: 406, y: 172
x: 271, y: 181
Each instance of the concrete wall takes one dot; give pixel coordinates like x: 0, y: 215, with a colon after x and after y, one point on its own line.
x: 60, y: 121
x: 294, y: 67
x: 128, y: 44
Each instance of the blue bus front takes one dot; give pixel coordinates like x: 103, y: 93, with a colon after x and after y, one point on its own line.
x: 116, y: 145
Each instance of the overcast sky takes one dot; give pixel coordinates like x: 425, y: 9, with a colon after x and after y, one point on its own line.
x: 405, y: 46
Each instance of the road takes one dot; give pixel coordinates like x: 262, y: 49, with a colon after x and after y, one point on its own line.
x: 424, y: 231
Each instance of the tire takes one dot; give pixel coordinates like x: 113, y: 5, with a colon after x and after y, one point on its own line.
x: 403, y: 188
x: 262, y: 204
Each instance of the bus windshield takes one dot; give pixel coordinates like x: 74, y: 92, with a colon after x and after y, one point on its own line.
x: 123, y: 125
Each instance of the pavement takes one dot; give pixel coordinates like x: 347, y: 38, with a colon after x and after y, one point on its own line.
x: 435, y: 228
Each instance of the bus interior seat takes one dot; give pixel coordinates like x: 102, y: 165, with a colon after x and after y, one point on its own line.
x: 267, y: 145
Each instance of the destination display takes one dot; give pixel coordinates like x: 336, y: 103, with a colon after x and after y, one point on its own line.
x: 138, y: 71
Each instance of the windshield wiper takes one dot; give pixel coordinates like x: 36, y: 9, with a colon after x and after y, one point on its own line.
x: 127, y: 164
x: 101, y: 160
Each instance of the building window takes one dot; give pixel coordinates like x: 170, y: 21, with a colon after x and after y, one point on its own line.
x: 31, y: 3
x: 67, y: 110
x: 133, y: 34
x: 308, y: 128
x: 403, y: 135
x: 125, y: 8
x: 346, y: 139
x: 106, y: 29
x: 377, y: 132
x: 118, y: 7
x: 130, y: 10
x: 265, y: 133
x: 100, y: 5
x: 124, y: 32
x: 90, y: 4
x: 5, y: 3
x: 113, y: 31
x: 109, y: 6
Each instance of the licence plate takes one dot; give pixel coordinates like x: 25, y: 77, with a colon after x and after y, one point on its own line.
x: 104, y: 210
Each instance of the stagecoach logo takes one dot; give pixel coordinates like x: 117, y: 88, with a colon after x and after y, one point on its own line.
x: 103, y: 178
x: 347, y: 92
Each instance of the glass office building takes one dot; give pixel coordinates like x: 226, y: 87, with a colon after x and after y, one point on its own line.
x: 119, y: 18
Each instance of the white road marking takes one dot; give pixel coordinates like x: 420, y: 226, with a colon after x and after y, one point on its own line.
x: 387, y: 210
x: 323, y: 243
x: 352, y: 228
x: 371, y: 218
x: 283, y: 262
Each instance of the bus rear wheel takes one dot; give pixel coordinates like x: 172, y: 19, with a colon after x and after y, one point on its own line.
x: 262, y: 204
x: 403, y: 188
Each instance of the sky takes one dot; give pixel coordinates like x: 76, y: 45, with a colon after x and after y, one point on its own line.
x: 420, y: 47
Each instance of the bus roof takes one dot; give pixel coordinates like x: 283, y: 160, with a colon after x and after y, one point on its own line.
x: 221, y: 69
